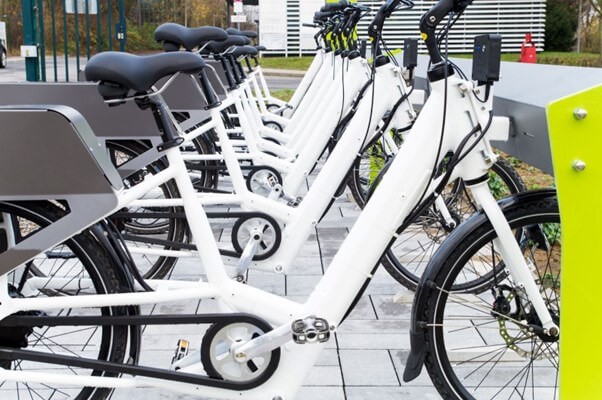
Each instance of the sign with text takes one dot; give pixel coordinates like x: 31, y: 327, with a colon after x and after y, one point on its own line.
x: 238, y: 18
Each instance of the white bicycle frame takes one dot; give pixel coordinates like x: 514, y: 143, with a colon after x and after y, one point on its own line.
x: 295, y: 171
x: 321, y: 103
x: 263, y: 96
x: 299, y: 221
x: 406, y: 183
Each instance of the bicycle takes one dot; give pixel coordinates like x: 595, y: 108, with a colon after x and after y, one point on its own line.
x: 263, y: 359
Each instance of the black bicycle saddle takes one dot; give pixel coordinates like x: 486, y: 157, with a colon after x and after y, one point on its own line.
x: 138, y: 73
x: 249, y: 34
x: 173, y: 36
x: 242, y: 51
x: 219, y: 47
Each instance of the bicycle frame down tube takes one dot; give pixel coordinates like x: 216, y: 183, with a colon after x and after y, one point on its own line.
x: 365, y: 121
x: 316, y: 91
x: 402, y: 187
x: 307, y: 80
x: 320, y: 131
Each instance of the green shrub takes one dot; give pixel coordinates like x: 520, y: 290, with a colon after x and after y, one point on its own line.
x: 561, y: 24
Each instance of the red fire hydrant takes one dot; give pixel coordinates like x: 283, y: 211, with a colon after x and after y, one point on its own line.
x: 528, y: 51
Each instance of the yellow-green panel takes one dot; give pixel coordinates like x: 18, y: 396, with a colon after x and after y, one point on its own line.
x: 577, y: 142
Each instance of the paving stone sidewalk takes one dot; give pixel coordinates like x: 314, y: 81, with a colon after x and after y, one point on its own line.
x: 366, y: 357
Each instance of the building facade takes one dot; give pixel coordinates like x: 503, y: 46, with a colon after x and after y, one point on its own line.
x: 282, y: 32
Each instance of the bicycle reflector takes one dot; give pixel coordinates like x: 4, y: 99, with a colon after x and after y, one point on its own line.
x: 486, y: 58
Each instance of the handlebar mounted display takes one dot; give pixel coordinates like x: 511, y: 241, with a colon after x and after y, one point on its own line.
x: 486, y: 59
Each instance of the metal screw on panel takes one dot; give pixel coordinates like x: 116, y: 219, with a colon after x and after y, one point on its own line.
x: 580, y: 113
x: 553, y: 331
x: 578, y: 165
x: 432, y: 18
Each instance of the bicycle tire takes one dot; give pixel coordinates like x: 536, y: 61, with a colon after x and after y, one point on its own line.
x: 365, y: 170
x: 203, y: 145
x: 494, y: 354
x: 170, y: 229
x: 407, y: 257
x: 88, y: 263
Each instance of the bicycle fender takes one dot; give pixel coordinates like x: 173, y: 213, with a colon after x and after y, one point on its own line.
x: 418, y: 328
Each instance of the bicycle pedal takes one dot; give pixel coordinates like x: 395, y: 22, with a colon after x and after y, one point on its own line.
x: 181, y: 350
x: 310, y: 330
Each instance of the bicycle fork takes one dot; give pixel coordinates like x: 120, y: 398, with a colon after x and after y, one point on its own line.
x: 513, y: 256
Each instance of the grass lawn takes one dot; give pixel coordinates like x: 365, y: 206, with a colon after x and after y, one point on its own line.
x: 554, y: 58
x: 297, y: 63
x: 282, y: 94
x: 546, y: 57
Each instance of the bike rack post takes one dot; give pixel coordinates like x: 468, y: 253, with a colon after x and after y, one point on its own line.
x: 575, y: 123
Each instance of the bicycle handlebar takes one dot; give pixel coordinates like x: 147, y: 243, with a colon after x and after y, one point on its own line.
x: 340, y: 6
x: 432, y: 18
x: 384, y: 12
x: 324, y: 15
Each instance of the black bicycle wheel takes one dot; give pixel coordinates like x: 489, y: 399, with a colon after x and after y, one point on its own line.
x: 203, y: 174
x: 486, y: 345
x: 79, y: 266
x: 365, y: 171
x: 142, y: 232
x: 409, y: 255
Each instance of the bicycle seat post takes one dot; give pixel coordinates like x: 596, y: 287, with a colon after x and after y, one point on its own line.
x: 161, y: 114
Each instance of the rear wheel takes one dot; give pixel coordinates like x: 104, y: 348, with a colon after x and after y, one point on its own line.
x: 78, y: 266
x: 485, y: 344
x: 141, y: 230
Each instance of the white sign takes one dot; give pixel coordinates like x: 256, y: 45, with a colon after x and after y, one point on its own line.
x: 81, y: 6
x: 238, y: 6
x: 29, y: 51
x: 238, y: 18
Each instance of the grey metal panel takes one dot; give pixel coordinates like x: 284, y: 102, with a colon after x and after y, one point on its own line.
x: 125, y: 121
x: 49, y: 152
x: 182, y: 94
x: 218, y: 79
x: 522, y: 94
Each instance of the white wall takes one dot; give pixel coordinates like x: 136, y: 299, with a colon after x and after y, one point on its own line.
x: 272, y: 24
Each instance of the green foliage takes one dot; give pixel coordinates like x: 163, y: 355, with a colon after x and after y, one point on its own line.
x: 561, y: 24
x: 141, y: 38
x: 571, y: 59
x: 552, y: 232
x: 498, y: 188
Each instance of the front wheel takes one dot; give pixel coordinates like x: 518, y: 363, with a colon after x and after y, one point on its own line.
x: 486, y: 345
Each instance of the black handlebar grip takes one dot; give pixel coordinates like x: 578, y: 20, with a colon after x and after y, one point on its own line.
x: 324, y: 15
x: 340, y: 6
